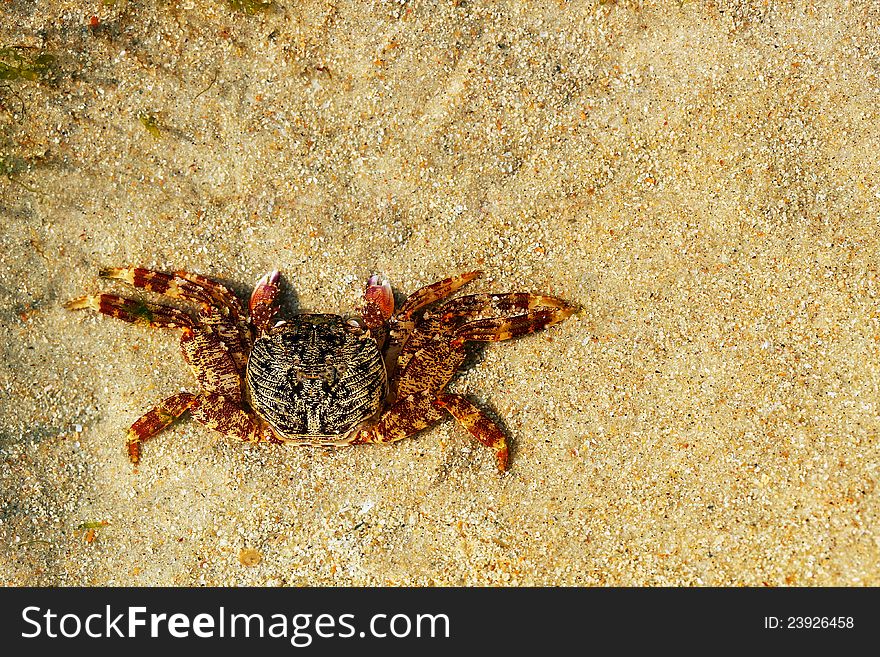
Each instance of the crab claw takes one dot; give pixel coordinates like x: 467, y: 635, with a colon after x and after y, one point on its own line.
x: 266, y: 289
x: 378, y: 302
x: 263, y: 304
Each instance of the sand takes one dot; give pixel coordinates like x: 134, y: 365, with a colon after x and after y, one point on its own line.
x: 700, y: 178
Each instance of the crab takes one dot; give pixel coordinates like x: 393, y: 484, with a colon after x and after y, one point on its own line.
x: 378, y: 376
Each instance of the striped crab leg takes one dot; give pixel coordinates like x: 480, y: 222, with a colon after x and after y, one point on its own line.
x: 536, y: 312
x: 179, y: 285
x: 219, y: 406
x: 155, y: 420
x: 434, y: 292
x: 133, y: 311
x: 420, y: 410
x: 220, y: 308
x: 478, y: 424
x: 401, y: 325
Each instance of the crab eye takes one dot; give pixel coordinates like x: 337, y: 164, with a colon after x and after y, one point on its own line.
x: 355, y: 325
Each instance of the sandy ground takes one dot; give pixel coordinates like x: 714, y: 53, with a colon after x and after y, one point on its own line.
x: 702, y: 179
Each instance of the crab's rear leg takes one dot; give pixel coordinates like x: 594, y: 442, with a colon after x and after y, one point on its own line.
x: 218, y: 412
x: 478, y: 424
x: 156, y: 420
x: 419, y: 410
x: 211, y: 409
x: 405, y: 418
x: 218, y: 406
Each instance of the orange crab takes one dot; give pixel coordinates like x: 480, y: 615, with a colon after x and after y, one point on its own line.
x: 320, y: 379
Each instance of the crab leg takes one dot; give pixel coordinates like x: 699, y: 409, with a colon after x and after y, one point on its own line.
x: 422, y: 409
x: 180, y: 285
x: 133, y: 311
x: 213, y: 410
x: 155, y: 420
x: 402, y: 324
x: 221, y: 414
x: 472, y: 307
x: 434, y: 292
x: 233, y: 330
x: 236, y: 338
x: 481, y: 318
x: 542, y: 312
x: 428, y: 368
x: 212, y: 362
x: 207, y: 355
x: 219, y: 292
x: 192, y: 287
x: 429, y: 362
x: 405, y: 418
x: 478, y: 424
x: 218, y: 407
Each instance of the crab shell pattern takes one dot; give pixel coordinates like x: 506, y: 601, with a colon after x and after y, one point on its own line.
x: 316, y: 378
x: 319, y: 379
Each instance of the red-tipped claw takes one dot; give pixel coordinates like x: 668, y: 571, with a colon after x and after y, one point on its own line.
x: 263, y: 304
x: 378, y: 302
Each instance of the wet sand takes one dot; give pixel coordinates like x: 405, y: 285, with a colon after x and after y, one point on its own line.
x: 700, y: 178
